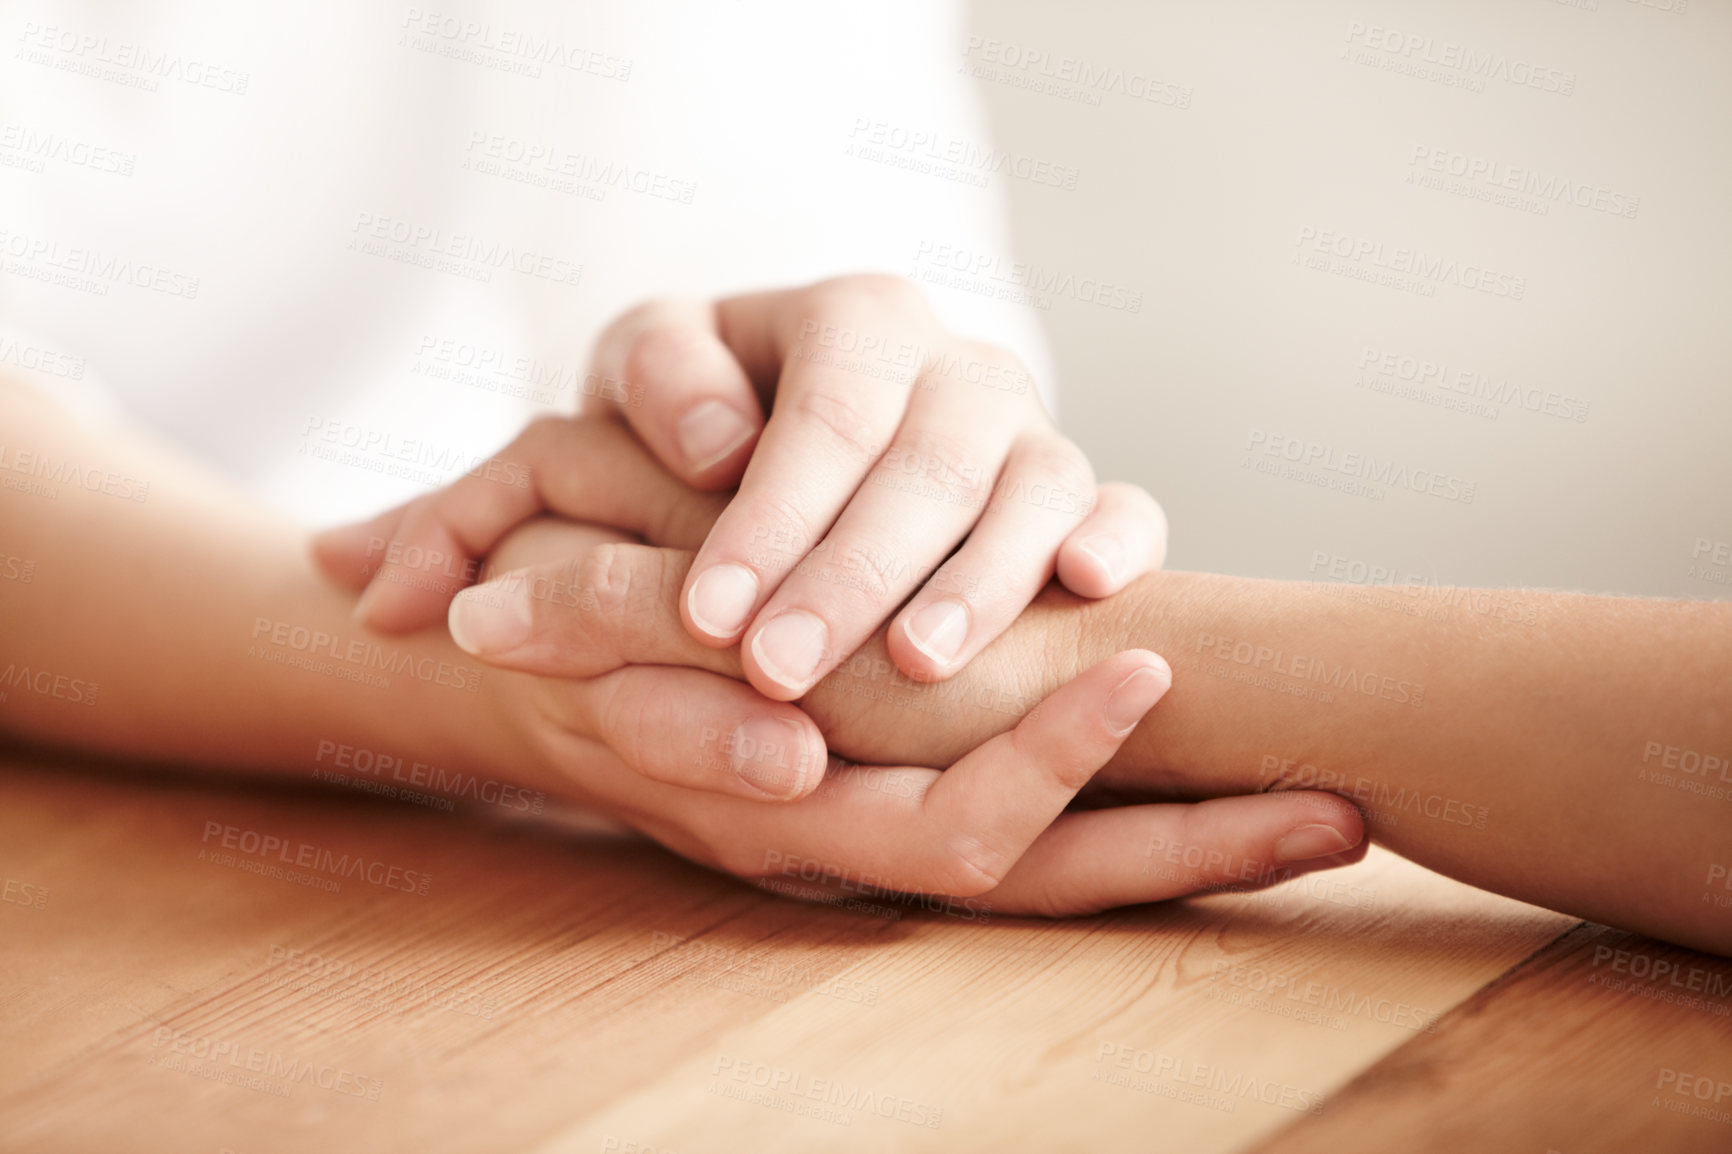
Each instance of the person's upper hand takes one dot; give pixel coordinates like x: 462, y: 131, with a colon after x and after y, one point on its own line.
x: 898, y: 459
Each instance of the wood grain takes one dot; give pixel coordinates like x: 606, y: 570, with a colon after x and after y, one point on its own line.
x: 563, y: 989
x: 1605, y: 1041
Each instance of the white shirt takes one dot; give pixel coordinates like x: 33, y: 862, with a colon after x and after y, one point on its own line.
x: 342, y: 251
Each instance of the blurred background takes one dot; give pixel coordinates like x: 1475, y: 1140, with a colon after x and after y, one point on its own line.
x: 1367, y: 290
x: 1287, y: 187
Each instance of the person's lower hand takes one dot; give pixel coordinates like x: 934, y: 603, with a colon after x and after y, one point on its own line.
x: 614, y: 696
x: 898, y: 459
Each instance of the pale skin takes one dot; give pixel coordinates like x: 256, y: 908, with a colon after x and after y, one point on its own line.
x: 1543, y: 726
x: 173, y: 608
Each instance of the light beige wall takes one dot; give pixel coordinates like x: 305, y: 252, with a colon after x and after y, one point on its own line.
x: 1295, y: 122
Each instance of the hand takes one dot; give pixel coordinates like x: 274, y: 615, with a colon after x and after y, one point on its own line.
x: 890, y: 444
x: 991, y: 831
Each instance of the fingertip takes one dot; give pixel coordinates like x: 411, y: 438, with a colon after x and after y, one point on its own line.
x: 779, y: 757
x: 1093, y: 566
x: 1137, y: 692
x: 927, y: 642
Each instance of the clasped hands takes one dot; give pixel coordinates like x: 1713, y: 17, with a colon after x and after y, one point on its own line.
x: 904, y: 505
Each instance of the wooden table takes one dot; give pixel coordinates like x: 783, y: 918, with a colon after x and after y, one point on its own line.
x: 563, y: 989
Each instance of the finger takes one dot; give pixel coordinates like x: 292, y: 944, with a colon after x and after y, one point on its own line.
x: 830, y: 424
x: 959, y: 832
x: 1047, y: 488
x: 590, y: 469
x: 1087, y: 862
x: 586, y: 615
x: 698, y: 731
x: 1122, y: 538
x: 921, y: 499
x: 545, y: 539
x: 670, y: 376
x: 351, y: 554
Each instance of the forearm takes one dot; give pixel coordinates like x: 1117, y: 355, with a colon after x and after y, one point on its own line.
x: 188, y: 626
x: 1521, y: 742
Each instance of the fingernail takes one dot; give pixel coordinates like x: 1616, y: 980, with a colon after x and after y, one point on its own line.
x: 939, y: 630
x: 710, y: 431
x: 1311, y: 841
x: 1135, y: 696
x: 721, y: 599
x: 771, y: 755
x: 1109, y: 551
x: 789, y: 648
x: 491, y: 618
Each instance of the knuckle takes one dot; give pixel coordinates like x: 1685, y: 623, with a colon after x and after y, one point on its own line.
x: 828, y: 409
x: 860, y: 569
x: 934, y: 463
x: 968, y: 868
x: 1069, y: 758
x: 628, y: 727
x: 775, y: 533
x: 1058, y: 461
